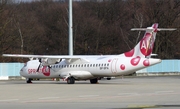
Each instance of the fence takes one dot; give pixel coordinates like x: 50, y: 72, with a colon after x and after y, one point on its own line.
x: 171, y: 66
x: 10, y: 69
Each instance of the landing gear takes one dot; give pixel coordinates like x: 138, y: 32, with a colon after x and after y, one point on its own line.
x: 70, y: 80
x: 28, y: 80
x: 94, y: 81
x: 109, y: 78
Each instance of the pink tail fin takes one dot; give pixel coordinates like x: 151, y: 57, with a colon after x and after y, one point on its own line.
x: 145, y: 47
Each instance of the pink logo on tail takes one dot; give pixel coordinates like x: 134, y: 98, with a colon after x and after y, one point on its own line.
x: 146, y: 44
x: 155, y: 26
x: 135, y: 61
x: 129, y: 53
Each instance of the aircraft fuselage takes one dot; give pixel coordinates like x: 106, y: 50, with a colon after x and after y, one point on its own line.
x: 96, y: 67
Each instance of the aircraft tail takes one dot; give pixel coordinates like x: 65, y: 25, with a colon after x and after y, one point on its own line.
x: 145, y: 46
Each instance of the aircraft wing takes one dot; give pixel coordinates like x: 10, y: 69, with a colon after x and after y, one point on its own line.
x: 68, y: 58
x: 52, y: 56
x: 57, y: 56
x: 37, y: 56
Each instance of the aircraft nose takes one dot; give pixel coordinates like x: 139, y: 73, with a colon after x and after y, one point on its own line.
x: 22, y: 72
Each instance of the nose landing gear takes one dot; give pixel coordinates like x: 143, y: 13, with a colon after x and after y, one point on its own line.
x: 28, y: 80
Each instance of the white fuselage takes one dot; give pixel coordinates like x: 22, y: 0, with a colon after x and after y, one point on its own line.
x: 102, y: 66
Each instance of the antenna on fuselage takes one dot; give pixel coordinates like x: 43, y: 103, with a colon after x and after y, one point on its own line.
x: 70, y: 29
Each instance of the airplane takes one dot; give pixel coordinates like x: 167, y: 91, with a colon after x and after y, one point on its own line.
x: 92, y: 67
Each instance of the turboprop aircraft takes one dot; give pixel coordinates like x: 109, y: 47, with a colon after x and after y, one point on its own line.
x: 92, y: 67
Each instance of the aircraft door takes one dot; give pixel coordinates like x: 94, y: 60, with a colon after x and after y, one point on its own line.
x: 113, y: 65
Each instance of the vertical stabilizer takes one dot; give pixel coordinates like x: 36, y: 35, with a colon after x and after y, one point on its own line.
x: 145, y: 46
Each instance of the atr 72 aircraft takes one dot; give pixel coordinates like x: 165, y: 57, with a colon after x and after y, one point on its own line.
x: 92, y: 67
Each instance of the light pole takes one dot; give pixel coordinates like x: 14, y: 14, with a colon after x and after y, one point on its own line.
x: 70, y: 29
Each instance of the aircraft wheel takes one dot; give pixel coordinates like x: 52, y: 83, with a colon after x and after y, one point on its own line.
x: 108, y: 78
x: 28, y: 80
x: 70, y: 80
x: 94, y: 81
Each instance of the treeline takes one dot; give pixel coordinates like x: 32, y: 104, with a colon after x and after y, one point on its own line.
x: 41, y: 27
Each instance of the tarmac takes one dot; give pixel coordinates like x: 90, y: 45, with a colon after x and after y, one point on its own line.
x: 156, y: 92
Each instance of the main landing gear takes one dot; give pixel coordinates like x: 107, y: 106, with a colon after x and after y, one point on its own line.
x: 94, y: 81
x: 70, y: 80
x: 109, y: 78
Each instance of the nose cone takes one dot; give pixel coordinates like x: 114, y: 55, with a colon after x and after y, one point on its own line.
x: 22, y: 72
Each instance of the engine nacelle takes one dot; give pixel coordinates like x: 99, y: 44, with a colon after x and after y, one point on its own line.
x: 49, y: 61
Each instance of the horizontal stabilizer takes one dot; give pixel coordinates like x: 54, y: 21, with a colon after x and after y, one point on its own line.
x: 150, y: 28
x: 166, y: 29
x: 138, y: 29
x: 154, y: 54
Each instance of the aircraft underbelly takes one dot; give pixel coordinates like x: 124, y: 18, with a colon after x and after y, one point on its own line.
x: 77, y: 74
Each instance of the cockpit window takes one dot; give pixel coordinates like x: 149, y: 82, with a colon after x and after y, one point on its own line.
x: 25, y: 64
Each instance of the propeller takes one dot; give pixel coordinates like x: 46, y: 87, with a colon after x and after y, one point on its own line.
x: 39, y: 65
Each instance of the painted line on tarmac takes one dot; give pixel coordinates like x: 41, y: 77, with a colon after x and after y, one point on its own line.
x: 127, y: 94
x: 142, y: 106
x: 9, y: 100
x: 88, y: 96
x: 169, y: 91
x: 146, y: 94
x: 49, y: 98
